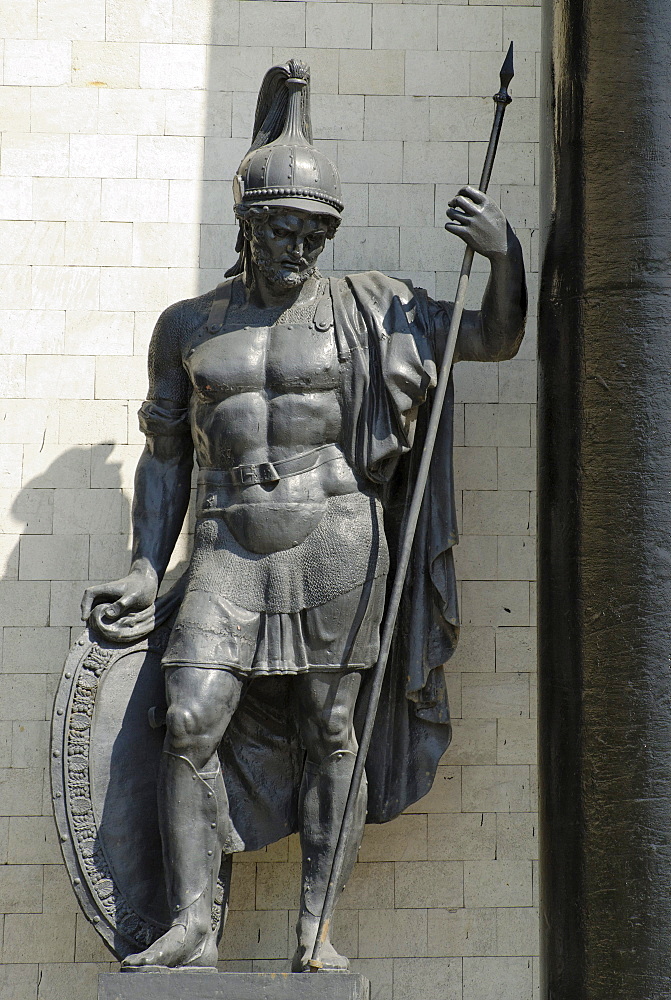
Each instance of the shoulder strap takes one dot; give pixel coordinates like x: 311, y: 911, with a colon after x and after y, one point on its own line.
x: 337, y: 310
x: 220, y: 304
x: 323, y: 315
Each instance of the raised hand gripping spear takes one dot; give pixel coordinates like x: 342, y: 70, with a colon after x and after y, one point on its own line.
x: 502, y: 99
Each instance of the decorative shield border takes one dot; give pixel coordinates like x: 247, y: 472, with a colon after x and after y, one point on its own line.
x: 122, y: 928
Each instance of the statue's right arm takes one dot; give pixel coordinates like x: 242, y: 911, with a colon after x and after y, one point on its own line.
x: 162, y: 479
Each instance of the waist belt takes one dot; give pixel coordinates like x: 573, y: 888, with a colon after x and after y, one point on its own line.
x: 270, y: 472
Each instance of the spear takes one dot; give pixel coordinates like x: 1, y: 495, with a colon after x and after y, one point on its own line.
x: 502, y: 99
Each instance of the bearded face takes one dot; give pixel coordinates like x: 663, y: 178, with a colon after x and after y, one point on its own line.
x: 285, y: 246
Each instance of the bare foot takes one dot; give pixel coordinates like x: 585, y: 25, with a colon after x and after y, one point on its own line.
x: 192, y: 942
x: 307, y: 933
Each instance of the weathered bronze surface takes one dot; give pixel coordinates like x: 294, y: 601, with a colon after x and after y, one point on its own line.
x: 305, y: 400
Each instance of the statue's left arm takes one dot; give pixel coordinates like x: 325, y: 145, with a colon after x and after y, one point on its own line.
x: 494, y: 332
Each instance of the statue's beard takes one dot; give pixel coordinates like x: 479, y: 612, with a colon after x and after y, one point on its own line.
x: 274, y: 273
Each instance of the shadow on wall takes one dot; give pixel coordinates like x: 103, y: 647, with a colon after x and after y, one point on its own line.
x: 74, y: 520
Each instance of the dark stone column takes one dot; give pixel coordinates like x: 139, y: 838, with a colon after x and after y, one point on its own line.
x: 605, y: 501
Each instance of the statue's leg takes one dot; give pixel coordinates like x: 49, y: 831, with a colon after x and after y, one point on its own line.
x: 193, y: 813
x: 326, y: 713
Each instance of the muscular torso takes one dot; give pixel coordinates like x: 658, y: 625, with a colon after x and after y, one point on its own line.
x: 264, y: 394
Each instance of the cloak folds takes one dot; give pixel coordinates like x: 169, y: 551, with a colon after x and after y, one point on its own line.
x: 393, y: 372
x: 385, y: 331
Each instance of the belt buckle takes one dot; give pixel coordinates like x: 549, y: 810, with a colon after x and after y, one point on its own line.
x: 253, y: 475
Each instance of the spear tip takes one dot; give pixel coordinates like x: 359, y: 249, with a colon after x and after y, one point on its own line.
x: 507, y: 71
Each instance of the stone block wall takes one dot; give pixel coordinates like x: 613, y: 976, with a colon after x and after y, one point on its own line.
x: 122, y: 123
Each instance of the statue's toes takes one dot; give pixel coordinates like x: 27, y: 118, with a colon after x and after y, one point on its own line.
x: 137, y: 961
x: 175, y: 949
x: 167, y: 951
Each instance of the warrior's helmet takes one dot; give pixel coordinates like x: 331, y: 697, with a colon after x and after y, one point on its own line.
x: 282, y: 169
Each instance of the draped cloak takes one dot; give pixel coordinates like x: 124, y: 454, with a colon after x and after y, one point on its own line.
x: 389, y: 335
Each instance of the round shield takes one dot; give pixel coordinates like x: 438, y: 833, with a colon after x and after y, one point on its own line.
x: 105, y: 758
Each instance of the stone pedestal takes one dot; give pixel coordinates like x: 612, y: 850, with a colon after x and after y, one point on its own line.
x: 201, y: 984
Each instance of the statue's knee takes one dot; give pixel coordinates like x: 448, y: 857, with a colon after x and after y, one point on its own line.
x: 337, y: 726
x: 183, y: 725
x: 329, y: 732
x: 190, y: 735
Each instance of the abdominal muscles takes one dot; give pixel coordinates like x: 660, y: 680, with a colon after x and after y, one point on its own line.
x: 251, y: 428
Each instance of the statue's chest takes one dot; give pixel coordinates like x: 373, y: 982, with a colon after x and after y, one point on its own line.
x: 278, y: 359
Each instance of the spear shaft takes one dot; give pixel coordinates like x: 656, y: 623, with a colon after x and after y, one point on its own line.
x: 502, y: 100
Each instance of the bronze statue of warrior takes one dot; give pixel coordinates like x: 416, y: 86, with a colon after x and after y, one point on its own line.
x: 304, y: 399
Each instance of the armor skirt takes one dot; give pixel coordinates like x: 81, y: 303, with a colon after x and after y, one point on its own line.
x: 317, y: 606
